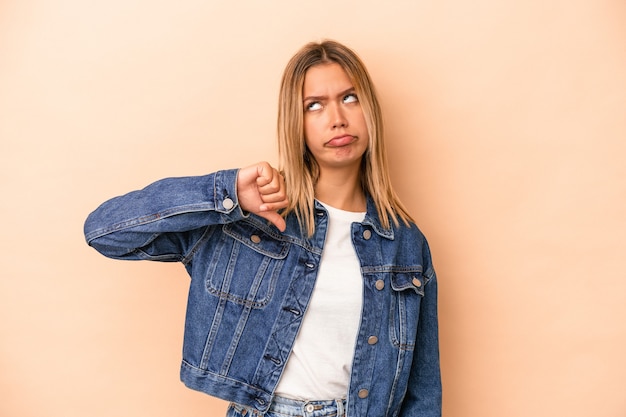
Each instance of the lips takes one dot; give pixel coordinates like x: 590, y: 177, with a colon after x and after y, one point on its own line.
x: 341, y: 140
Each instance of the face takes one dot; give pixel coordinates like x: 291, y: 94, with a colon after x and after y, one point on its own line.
x: 334, y: 126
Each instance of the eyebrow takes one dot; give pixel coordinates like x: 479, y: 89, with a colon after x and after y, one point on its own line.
x: 316, y: 98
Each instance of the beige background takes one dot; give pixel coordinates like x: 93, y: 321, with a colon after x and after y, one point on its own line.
x: 507, y: 139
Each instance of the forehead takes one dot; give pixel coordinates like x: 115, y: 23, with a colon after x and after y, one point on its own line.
x: 326, y: 77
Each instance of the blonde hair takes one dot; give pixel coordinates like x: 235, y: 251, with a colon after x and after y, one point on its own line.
x: 298, y: 165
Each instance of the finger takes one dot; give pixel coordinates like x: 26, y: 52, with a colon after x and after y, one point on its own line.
x: 272, y: 193
x: 278, y: 197
x: 271, y: 189
x: 274, y: 201
x: 276, y: 219
x: 270, y: 182
x: 265, y: 174
x: 274, y: 205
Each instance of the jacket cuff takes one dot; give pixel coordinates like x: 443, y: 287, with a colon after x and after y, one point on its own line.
x: 225, y: 194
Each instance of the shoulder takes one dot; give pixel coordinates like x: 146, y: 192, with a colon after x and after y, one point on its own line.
x: 410, y: 241
x: 410, y: 231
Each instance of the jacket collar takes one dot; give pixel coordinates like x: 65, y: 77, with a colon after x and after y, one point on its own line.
x: 371, y: 219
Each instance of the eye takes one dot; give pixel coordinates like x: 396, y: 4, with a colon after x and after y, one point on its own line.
x: 314, y: 105
x: 350, y: 98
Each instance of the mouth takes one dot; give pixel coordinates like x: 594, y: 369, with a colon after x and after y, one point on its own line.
x: 341, y: 140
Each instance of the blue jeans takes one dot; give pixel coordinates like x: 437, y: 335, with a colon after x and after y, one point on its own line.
x: 284, y: 407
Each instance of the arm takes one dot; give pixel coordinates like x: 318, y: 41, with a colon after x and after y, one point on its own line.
x: 162, y: 220
x: 423, y: 397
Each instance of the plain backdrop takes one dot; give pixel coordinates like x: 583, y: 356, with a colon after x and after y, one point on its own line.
x: 506, y: 135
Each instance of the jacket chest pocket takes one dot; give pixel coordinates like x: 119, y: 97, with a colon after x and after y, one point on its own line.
x: 406, y: 296
x: 245, y: 265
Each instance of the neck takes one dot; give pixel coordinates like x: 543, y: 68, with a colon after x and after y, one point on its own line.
x: 341, y: 190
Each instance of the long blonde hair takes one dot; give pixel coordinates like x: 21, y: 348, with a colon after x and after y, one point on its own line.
x: 298, y: 165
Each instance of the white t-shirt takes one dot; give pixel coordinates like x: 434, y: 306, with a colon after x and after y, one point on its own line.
x: 320, y: 363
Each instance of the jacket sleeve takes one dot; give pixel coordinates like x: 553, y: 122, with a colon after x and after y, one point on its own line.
x: 423, y: 397
x: 165, y: 219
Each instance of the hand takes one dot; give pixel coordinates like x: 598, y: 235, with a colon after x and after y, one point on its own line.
x: 261, y: 190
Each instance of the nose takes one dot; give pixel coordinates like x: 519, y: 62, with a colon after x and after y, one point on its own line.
x: 337, y: 116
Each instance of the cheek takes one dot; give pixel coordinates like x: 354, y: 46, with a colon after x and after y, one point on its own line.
x: 361, y: 119
x: 363, y: 124
x: 310, y: 129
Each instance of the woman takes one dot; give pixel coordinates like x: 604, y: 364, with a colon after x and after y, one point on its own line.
x: 313, y: 292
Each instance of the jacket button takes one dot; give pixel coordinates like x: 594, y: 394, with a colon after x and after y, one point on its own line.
x: 228, y: 203
x: 417, y: 282
x: 372, y: 340
x: 380, y: 284
x: 255, y: 239
x: 367, y: 234
x: 363, y: 393
x: 309, y: 408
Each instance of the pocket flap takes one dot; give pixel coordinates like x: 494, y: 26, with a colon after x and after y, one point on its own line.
x: 257, y: 239
x: 414, y: 280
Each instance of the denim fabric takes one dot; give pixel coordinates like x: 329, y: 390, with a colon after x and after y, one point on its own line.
x: 251, y: 284
x: 285, y: 407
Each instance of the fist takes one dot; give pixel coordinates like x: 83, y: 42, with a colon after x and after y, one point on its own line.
x: 261, y: 190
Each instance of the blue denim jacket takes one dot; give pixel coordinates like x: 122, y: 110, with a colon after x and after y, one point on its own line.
x: 251, y: 284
